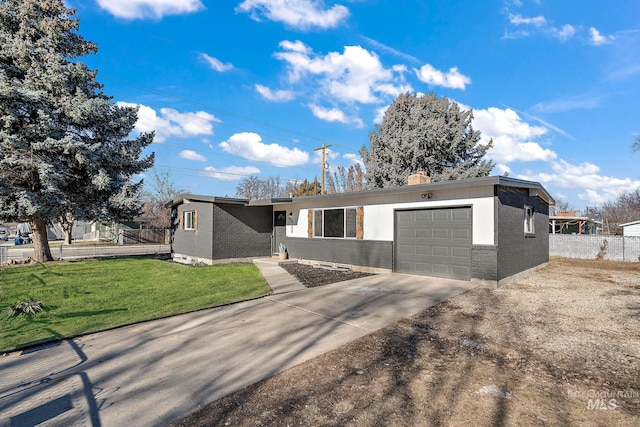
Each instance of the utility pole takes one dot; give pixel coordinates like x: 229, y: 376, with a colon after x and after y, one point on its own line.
x: 324, y: 164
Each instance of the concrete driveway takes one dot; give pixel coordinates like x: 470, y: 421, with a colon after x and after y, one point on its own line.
x: 153, y: 373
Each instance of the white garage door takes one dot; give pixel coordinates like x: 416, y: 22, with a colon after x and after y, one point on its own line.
x: 434, y: 242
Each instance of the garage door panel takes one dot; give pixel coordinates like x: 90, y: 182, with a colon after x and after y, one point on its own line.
x: 422, y: 250
x: 440, y: 234
x: 461, y: 271
x: 442, y: 270
x: 406, y: 233
x: 434, y: 242
x: 464, y: 253
x: 422, y: 233
x: 406, y: 249
x: 462, y: 215
x: 441, y: 251
x: 460, y: 233
x: 440, y: 215
x: 422, y: 268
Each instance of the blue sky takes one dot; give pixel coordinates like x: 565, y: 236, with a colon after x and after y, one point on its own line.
x: 235, y: 88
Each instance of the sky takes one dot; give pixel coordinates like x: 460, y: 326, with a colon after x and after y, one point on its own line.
x: 236, y: 88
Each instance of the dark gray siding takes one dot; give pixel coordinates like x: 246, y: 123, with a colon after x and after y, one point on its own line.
x: 241, y: 231
x: 366, y: 253
x: 516, y: 251
x: 195, y: 243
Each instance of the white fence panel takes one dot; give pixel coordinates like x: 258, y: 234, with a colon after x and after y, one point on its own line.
x: 614, y: 248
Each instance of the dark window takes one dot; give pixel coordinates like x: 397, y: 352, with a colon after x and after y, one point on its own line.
x: 334, y: 223
x: 280, y: 218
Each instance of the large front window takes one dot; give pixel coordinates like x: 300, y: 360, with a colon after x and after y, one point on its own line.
x: 340, y: 223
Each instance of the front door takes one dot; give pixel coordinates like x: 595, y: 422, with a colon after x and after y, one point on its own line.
x: 279, y: 229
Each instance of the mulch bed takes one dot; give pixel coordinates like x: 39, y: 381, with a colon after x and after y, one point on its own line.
x: 311, y: 276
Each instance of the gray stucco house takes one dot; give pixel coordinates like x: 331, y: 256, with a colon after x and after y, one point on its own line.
x: 489, y: 229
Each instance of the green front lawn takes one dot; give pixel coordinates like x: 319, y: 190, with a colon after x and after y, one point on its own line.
x: 92, y: 295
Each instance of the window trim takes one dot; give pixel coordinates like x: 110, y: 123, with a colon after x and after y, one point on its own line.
x: 192, y: 224
x: 529, y: 222
x: 320, y: 214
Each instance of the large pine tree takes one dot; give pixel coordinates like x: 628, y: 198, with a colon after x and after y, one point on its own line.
x: 424, y: 133
x: 64, y: 147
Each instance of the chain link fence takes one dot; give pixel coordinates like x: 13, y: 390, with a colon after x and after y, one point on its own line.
x: 614, y: 248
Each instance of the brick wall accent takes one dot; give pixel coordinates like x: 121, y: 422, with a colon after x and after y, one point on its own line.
x: 366, y: 253
x: 484, y: 262
x: 241, y: 231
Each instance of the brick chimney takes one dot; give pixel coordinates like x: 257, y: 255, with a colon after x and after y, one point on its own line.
x: 418, y: 178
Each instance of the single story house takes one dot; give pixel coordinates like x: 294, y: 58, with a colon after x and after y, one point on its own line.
x: 488, y: 229
x: 570, y: 223
x: 631, y: 229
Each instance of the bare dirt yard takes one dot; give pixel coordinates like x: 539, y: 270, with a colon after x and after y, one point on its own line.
x: 559, y: 347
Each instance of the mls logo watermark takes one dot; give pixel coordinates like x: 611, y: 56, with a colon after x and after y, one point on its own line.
x: 602, y: 404
x: 603, y: 400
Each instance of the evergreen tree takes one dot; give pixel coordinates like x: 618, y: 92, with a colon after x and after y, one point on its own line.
x: 424, y: 133
x: 64, y: 151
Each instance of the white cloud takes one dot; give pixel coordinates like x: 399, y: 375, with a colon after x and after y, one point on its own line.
x: 249, y: 145
x: 192, y: 155
x: 334, y: 115
x: 171, y: 123
x: 453, y: 79
x: 354, y: 158
x: 380, y: 112
x: 300, y: 14
x: 357, y: 75
x: 585, y: 179
x: 565, y: 33
x: 517, y: 19
x: 502, y: 169
x: 138, y: 9
x: 296, y: 46
x: 277, y: 95
x: 512, y: 137
x: 231, y: 173
x: 215, y: 63
x: 598, y: 39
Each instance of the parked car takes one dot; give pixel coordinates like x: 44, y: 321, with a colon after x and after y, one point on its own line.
x: 4, y: 233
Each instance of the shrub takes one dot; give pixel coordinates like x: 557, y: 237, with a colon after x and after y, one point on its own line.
x: 25, y: 307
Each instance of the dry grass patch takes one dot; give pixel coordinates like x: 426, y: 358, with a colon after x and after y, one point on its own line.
x: 532, y: 353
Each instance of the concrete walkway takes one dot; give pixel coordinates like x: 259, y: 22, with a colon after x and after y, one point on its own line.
x: 156, y: 372
x: 279, y: 280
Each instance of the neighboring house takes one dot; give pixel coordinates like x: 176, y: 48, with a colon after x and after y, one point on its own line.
x: 489, y: 229
x: 570, y: 223
x: 631, y: 229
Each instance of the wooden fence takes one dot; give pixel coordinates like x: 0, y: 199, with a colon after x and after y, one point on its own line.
x: 143, y: 236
